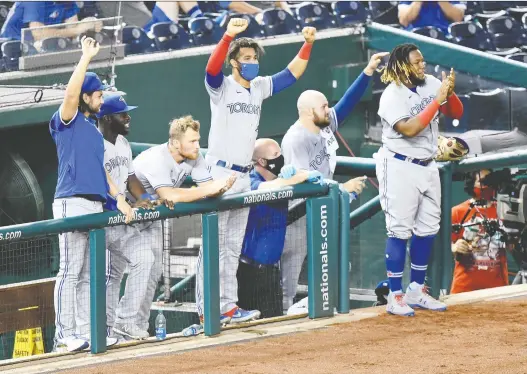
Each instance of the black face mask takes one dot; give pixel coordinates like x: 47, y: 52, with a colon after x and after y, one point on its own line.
x: 275, y: 165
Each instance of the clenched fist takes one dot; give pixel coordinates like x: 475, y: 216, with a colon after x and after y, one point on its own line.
x: 236, y: 26
x: 89, y: 47
x: 309, y: 34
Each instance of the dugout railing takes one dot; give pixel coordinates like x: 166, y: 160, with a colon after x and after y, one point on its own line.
x: 324, y: 242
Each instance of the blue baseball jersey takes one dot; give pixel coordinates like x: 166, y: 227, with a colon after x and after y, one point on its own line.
x: 80, y: 153
x: 266, y: 228
x: 431, y: 15
x: 45, y: 12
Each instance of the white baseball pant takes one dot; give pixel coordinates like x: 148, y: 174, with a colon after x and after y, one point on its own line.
x: 410, y: 196
x: 231, y: 229
x: 293, y: 256
x: 126, y: 246
x: 72, y: 287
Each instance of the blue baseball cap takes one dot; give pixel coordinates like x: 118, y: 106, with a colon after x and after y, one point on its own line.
x: 92, y: 83
x: 114, y: 104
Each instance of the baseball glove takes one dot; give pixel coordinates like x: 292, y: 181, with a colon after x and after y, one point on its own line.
x: 451, y: 149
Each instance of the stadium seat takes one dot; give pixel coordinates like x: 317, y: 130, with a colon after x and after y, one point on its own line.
x: 473, y: 7
x: 517, y: 13
x: 136, y: 41
x: 349, y: 12
x: 430, y: 31
x: 483, y: 18
x: 204, y: 31
x: 521, y: 57
x: 494, y: 6
x: 170, y: 36
x: 506, y: 32
x: 254, y: 29
x: 385, y: 12
x: 11, y: 52
x: 471, y: 35
x: 492, y: 110
x: 312, y: 14
x: 55, y: 45
x: 448, y: 124
x: 279, y: 22
x: 88, y: 9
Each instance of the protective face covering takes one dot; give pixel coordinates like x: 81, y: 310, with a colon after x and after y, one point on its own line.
x: 249, y: 71
x: 275, y: 165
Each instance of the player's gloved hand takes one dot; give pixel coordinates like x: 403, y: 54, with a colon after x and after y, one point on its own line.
x: 287, y: 171
x: 316, y: 177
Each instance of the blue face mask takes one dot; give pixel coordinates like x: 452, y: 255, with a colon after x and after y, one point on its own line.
x: 249, y: 71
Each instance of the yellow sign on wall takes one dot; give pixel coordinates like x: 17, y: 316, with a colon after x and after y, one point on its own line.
x: 28, y: 343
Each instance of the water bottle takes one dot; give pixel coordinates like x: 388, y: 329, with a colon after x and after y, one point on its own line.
x: 161, y: 326
x: 192, y: 330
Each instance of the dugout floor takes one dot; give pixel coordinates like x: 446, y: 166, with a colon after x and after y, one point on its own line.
x: 482, y: 332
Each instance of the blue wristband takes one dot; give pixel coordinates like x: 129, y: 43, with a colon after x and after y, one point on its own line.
x: 355, y: 196
x: 146, y: 196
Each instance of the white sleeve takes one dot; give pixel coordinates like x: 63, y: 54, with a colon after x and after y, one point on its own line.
x: 71, y: 120
x: 295, y: 151
x: 392, y: 107
x: 264, y: 85
x: 156, y: 173
x: 216, y: 94
x: 200, y: 172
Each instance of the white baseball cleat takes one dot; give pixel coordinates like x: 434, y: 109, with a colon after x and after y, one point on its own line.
x: 70, y: 344
x: 417, y: 297
x: 397, y: 306
x: 130, y: 330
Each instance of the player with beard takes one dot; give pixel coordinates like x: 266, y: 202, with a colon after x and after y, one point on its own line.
x: 82, y: 188
x: 310, y: 145
x: 125, y: 244
x: 409, y: 185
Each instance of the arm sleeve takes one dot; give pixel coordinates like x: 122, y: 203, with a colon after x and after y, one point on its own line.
x: 392, y: 107
x: 58, y: 124
x: 296, y: 152
x: 351, y: 97
x: 157, y: 175
x: 282, y: 80
x: 34, y: 12
x: 264, y: 85
x: 200, y: 172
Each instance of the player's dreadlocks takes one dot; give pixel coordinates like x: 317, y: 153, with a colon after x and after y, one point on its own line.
x: 399, y: 66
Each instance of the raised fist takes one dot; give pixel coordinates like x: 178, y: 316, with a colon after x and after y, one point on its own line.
x: 89, y: 47
x: 236, y: 26
x: 309, y: 34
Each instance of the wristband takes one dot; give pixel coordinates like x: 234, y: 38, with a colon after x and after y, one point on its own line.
x: 305, y: 51
x: 227, y: 38
x: 147, y: 196
x: 428, y: 114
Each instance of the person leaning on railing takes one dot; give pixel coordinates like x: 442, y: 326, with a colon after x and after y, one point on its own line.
x: 82, y: 187
x: 259, y: 279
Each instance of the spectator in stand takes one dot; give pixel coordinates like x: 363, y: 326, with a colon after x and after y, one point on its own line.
x: 440, y: 14
x: 34, y: 14
x: 133, y: 13
x: 168, y: 11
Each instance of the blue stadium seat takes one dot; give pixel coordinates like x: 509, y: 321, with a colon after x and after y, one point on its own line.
x: 136, y: 41
x: 492, y: 110
x: 349, y: 12
x: 312, y: 14
x: 521, y: 57
x: 11, y: 52
x: 483, y: 18
x: 430, y: 31
x: 55, y: 45
x: 517, y: 13
x: 471, y: 35
x: 506, y: 32
x: 254, y: 29
x: 169, y: 36
x: 385, y: 12
x: 279, y: 22
x: 473, y: 7
x: 204, y: 31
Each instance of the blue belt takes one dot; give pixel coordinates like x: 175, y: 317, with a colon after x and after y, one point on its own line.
x: 413, y: 160
x: 250, y: 261
x: 241, y: 169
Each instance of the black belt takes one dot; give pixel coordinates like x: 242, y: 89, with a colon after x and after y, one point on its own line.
x: 241, y: 169
x: 251, y: 262
x: 90, y: 197
x: 413, y: 160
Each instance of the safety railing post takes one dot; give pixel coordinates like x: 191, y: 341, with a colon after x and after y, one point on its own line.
x: 211, y: 274
x: 343, y: 305
x: 98, y: 290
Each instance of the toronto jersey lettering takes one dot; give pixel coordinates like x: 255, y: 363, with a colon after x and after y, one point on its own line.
x: 118, y: 161
x: 235, y: 115
x: 156, y: 168
x: 399, y: 103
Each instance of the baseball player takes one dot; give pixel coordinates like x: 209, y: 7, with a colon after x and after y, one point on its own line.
x: 125, y: 244
x: 236, y: 103
x: 82, y: 187
x: 310, y: 144
x: 409, y: 185
x: 162, y: 169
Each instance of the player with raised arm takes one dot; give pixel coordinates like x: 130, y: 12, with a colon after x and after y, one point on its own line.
x: 236, y: 102
x: 82, y: 188
x: 310, y: 144
x: 409, y: 185
x: 162, y: 170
